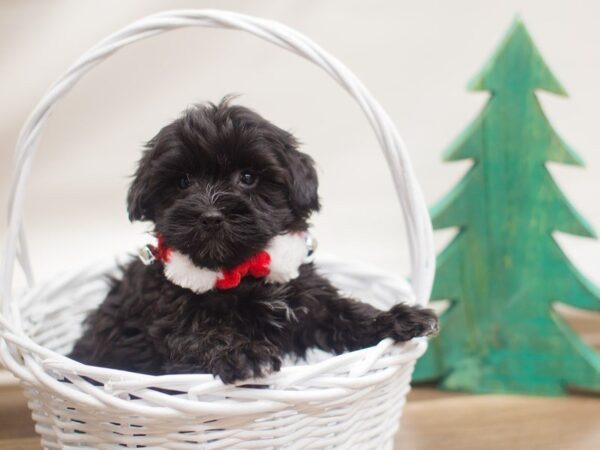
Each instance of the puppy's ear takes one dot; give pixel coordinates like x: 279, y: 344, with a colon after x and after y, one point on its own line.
x: 137, y: 207
x: 304, y: 183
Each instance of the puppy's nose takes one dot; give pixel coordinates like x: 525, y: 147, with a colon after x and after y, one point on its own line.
x: 211, y: 219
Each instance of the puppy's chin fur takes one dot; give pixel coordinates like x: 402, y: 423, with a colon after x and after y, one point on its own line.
x: 238, y: 238
x: 227, y: 162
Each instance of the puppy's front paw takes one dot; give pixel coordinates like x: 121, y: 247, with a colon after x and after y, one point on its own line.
x: 412, y: 321
x: 252, y: 361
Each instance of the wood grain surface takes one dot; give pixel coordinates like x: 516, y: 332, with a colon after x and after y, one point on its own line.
x: 501, y: 422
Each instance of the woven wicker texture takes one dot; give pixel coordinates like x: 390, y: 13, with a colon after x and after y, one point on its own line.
x: 352, y: 400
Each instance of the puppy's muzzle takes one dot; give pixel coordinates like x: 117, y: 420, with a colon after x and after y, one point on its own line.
x: 211, y: 219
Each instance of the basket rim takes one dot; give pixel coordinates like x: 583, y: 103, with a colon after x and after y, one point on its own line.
x: 335, y: 376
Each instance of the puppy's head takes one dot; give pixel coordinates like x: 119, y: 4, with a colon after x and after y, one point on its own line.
x: 220, y: 182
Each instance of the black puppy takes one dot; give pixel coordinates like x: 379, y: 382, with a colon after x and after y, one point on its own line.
x: 229, y: 293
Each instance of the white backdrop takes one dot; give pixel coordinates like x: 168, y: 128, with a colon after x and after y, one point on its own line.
x: 416, y: 57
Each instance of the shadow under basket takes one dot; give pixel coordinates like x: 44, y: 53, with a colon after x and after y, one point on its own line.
x: 353, y: 400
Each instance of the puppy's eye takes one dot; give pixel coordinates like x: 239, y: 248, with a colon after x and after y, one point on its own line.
x: 184, y: 182
x: 247, y: 178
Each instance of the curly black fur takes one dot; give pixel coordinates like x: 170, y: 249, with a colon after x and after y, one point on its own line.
x: 193, y: 166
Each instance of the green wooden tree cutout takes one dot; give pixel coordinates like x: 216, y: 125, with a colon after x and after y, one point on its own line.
x: 504, y: 271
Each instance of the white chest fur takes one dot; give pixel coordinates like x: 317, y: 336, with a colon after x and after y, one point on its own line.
x: 287, y: 253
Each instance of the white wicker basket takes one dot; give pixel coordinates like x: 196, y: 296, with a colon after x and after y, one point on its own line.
x: 348, y: 401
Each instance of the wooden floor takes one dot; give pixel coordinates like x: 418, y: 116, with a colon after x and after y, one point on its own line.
x: 432, y: 420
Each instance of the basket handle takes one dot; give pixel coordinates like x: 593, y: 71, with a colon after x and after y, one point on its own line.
x: 415, y: 212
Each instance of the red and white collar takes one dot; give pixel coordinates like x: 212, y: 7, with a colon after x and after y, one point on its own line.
x: 279, y: 262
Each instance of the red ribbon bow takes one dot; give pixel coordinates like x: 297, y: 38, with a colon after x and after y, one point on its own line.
x: 257, y: 266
